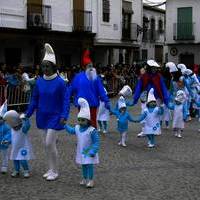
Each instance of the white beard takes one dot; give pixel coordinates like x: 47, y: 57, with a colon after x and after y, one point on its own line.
x: 91, y: 74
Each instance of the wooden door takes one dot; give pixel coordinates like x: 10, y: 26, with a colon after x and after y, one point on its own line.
x: 78, y: 6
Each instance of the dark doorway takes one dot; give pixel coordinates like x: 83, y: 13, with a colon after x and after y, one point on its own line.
x: 187, y: 59
x: 13, y: 56
x: 159, y: 53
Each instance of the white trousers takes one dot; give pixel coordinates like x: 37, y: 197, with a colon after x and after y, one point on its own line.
x: 4, y: 157
x: 49, y: 140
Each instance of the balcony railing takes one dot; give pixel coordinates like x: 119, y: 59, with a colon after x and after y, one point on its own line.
x: 151, y: 35
x: 82, y: 21
x: 39, y: 16
x: 184, y: 31
x: 130, y: 31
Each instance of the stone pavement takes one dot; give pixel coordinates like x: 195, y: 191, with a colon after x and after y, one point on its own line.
x: 171, y: 171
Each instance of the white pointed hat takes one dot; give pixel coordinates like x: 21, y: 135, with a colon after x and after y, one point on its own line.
x: 12, y: 118
x: 126, y: 91
x: 3, y: 109
x: 181, y: 66
x: 180, y: 96
x: 84, y: 109
x: 49, y: 54
x: 151, y: 96
x: 153, y: 63
x: 187, y: 72
x: 121, y: 102
x: 172, y: 67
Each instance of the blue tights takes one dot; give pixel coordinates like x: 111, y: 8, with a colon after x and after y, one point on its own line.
x: 151, y: 138
x: 23, y: 163
x: 88, y: 171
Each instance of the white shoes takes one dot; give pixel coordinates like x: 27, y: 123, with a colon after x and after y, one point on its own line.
x: 124, y: 144
x: 179, y: 135
x: 50, y: 175
x: 47, y: 173
x: 151, y: 145
x: 83, y: 182
x: 141, y: 134
x: 120, y: 143
x: 90, y: 184
x: 4, y: 170
x: 104, y: 132
x: 26, y: 174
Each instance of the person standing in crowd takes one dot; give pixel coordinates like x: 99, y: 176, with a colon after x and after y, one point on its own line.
x: 51, y: 101
x: 88, y: 85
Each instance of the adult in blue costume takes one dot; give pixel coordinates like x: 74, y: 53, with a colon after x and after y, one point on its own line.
x: 88, y: 85
x: 50, y: 99
x: 151, y: 79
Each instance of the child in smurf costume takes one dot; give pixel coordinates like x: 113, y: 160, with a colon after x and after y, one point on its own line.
x: 122, y: 120
x: 87, y: 143
x: 180, y: 113
x: 21, y: 149
x: 103, y: 117
x: 151, y: 115
x: 5, y: 139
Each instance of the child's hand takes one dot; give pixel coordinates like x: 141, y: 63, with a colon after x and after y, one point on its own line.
x: 4, y: 142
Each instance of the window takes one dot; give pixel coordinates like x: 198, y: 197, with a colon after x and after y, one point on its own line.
x: 185, y: 23
x: 160, y: 26
x: 144, y: 54
x: 106, y: 10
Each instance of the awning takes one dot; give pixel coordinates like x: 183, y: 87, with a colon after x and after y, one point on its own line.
x: 127, y: 7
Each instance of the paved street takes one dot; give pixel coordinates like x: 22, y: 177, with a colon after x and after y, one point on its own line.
x: 170, y: 171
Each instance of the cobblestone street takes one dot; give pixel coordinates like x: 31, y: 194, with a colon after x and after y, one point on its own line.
x: 169, y: 171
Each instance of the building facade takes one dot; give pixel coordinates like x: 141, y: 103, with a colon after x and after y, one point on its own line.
x: 153, y: 39
x: 183, y: 31
x: 25, y: 25
x: 118, y: 37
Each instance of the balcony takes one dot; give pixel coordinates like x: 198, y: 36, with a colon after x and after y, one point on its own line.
x: 151, y: 35
x: 184, y: 31
x: 82, y: 21
x: 39, y: 17
x: 130, y: 31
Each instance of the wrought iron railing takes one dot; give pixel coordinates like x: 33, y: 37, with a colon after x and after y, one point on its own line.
x: 39, y: 16
x: 130, y: 31
x: 184, y: 31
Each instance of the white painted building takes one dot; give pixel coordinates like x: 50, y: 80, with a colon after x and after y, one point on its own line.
x: 183, y: 31
x: 118, y: 35
x: 25, y: 25
x: 153, y: 34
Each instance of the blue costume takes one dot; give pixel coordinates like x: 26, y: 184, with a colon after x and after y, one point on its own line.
x: 5, y: 136
x: 87, y: 148
x: 122, y: 120
x: 148, y: 81
x: 92, y: 91
x: 51, y: 100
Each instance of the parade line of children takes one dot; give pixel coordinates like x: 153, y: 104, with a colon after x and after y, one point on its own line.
x: 14, y: 130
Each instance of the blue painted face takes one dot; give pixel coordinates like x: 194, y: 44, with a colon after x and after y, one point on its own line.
x: 122, y: 110
x: 83, y: 122
x: 152, y: 104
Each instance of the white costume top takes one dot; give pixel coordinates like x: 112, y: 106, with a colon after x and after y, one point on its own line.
x: 21, y: 146
x: 152, y: 122
x: 178, y: 121
x: 103, y: 113
x: 84, y: 141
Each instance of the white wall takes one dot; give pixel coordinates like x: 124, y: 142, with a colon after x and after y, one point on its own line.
x: 171, y: 17
x: 13, y: 14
